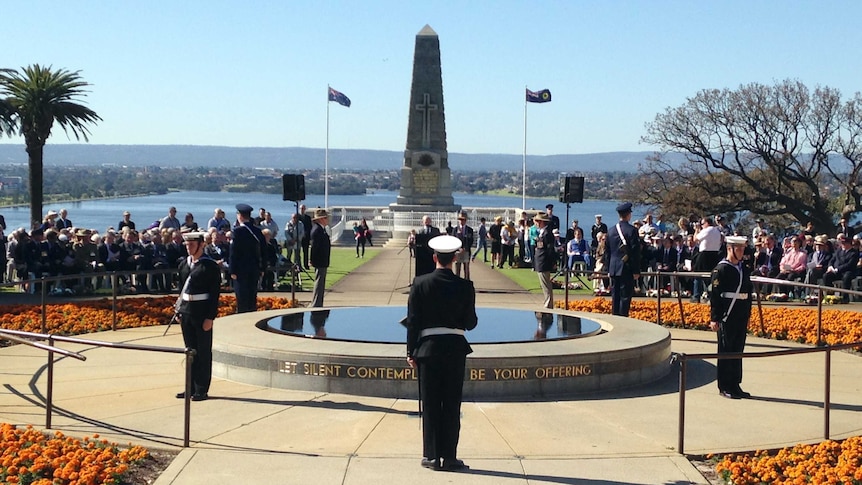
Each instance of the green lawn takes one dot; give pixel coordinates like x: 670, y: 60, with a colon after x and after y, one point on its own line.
x: 527, y: 279
x: 342, y: 261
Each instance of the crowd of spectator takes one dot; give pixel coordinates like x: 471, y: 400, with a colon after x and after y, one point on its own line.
x: 58, y: 248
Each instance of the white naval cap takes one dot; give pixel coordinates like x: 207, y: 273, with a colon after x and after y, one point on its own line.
x: 193, y: 236
x: 736, y: 240
x: 445, y: 244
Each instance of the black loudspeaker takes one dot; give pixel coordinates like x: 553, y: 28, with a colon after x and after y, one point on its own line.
x: 293, y: 186
x: 571, y: 189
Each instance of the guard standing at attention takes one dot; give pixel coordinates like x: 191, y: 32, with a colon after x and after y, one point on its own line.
x: 730, y: 301
x: 623, y: 247
x: 246, y: 259
x: 436, y: 345
x: 196, y: 308
x: 321, y: 247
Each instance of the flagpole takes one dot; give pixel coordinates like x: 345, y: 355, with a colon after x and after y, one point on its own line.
x: 326, y: 157
x: 524, y: 176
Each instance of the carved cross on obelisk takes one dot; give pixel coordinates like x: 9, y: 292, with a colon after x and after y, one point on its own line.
x: 426, y: 108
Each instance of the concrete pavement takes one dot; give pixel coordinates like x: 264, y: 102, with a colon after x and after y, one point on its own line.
x: 248, y: 434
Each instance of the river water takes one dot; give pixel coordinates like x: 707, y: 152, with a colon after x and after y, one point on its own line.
x: 100, y: 214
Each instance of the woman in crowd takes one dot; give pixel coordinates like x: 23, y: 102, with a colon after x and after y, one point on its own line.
x: 366, y: 230
x: 577, y: 249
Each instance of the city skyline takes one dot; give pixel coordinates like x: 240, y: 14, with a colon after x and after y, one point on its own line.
x: 224, y: 74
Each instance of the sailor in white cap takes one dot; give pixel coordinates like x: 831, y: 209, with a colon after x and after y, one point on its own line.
x: 730, y: 301
x: 196, y: 308
x: 441, y: 307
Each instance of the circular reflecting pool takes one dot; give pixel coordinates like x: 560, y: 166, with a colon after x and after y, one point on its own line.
x: 381, y: 324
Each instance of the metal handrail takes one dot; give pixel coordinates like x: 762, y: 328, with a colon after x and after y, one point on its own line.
x: 18, y: 335
x: 683, y: 359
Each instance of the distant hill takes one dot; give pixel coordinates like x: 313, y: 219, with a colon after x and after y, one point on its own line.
x: 308, y: 158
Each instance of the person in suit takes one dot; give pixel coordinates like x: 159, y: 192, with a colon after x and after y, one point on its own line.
x: 319, y: 257
x: 246, y: 259
x: 62, y: 222
x: 730, y: 309
x: 436, y: 347
x: 424, y: 254
x: 465, y: 234
x: 623, y: 250
x: 842, y: 267
x: 196, y: 308
x: 667, y: 257
x: 546, y: 257
x: 553, y: 220
x: 126, y: 222
x: 305, y: 240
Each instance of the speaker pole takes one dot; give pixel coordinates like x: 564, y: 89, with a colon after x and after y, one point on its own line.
x: 566, y: 254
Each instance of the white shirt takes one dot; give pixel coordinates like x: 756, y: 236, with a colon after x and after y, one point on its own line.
x: 709, y: 238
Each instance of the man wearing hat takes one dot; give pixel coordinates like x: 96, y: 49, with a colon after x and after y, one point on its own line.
x: 465, y: 233
x: 437, y: 348
x: 424, y: 260
x: 730, y: 308
x: 546, y: 257
x: 246, y: 260
x: 553, y: 221
x: 598, y: 227
x: 319, y: 257
x: 819, y: 259
x: 196, y: 308
x: 623, y: 250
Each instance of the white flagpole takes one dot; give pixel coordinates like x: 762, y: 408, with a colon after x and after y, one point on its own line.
x: 524, y: 178
x: 326, y: 157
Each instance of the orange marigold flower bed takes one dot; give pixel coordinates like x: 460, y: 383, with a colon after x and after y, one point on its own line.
x: 96, y: 315
x: 30, y: 456
x: 825, y: 462
x: 780, y: 323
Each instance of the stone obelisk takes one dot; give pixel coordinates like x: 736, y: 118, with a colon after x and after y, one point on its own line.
x: 426, y: 182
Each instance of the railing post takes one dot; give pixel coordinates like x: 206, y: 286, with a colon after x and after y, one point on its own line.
x: 682, y: 383
x: 819, y: 316
x: 190, y: 355
x: 826, y: 394
x: 114, y: 281
x: 44, y: 305
x: 658, y: 299
x: 49, y: 393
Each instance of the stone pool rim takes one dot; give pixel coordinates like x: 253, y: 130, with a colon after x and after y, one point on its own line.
x: 627, y: 353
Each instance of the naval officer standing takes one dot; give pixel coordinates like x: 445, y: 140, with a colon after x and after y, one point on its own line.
x: 246, y: 260
x: 196, y: 308
x: 730, y: 301
x: 436, y: 345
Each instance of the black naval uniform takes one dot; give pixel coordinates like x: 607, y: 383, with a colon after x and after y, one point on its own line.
x: 624, y: 261
x: 247, y: 263
x: 730, y: 303
x: 435, y: 340
x: 197, y: 302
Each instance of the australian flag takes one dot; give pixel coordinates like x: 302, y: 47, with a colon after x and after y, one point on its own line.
x: 343, y: 100
x: 543, y: 96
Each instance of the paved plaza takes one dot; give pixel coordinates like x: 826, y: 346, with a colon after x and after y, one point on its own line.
x: 248, y: 434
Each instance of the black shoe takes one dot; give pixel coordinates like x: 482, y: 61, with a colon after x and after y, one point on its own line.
x: 729, y: 395
x: 431, y: 463
x: 200, y: 397
x: 181, y: 395
x: 454, y: 464
x: 742, y: 394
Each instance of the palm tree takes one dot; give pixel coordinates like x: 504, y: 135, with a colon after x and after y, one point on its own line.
x: 30, y: 102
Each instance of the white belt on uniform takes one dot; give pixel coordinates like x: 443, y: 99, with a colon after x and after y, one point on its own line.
x: 195, y: 297
x: 738, y: 296
x: 441, y: 331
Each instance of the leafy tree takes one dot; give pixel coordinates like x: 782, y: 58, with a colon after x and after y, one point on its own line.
x: 772, y: 150
x: 30, y: 102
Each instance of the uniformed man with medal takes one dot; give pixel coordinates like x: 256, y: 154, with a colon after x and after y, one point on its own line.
x: 196, y: 308
x: 730, y: 308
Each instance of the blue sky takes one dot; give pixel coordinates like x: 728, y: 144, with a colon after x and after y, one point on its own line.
x: 255, y: 73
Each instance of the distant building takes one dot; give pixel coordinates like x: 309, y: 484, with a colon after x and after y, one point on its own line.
x: 11, y: 184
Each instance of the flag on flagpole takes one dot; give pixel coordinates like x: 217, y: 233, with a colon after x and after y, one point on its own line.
x: 343, y: 100
x: 543, y: 96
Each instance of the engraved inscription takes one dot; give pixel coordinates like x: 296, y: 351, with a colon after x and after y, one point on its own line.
x: 408, y: 374
x: 425, y: 181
